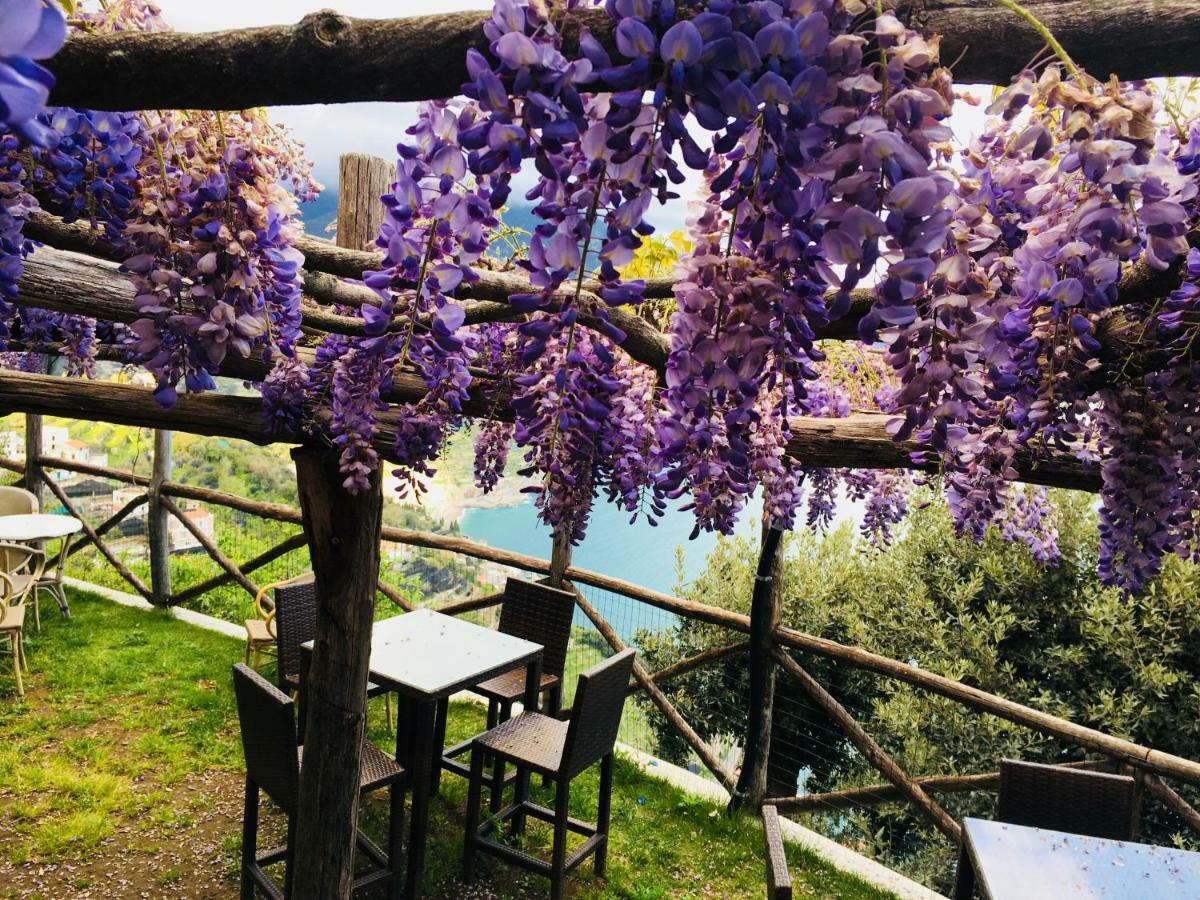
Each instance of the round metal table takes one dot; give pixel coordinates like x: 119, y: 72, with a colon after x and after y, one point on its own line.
x: 39, y: 527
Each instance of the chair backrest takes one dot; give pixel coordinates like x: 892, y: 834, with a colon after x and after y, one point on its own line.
x: 596, y: 712
x: 14, y: 501
x: 542, y: 614
x: 268, y: 720
x: 1077, y: 801
x: 295, y: 623
x: 779, y: 878
x: 22, y: 567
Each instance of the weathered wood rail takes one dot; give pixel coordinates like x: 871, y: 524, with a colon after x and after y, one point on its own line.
x: 783, y: 641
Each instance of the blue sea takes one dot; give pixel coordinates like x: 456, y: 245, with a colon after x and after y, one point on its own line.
x: 638, y: 552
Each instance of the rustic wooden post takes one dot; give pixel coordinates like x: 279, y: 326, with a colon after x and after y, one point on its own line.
x: 157, y: 531
x: 33, y: 458
x: 560, y: 559
x: 765, y: 610
x: 362, y: 180
x: 343, y: 532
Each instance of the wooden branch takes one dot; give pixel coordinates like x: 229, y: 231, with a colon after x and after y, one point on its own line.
x: 670, y: 713
x: 458, y: 607
x: 690, y: 663
x: 974, y: 698
x: 876, y: 794
x: 210, y: 547
x: 108, y: 523
x: 158, y: 533
x: 1171, y: 799
x: 331, y: 58
x: 113, y: 559
x: 283, y: 548
x: 54, y: 462
x: 766, y: 610
x: 394, y: 595
x: 874, y: 754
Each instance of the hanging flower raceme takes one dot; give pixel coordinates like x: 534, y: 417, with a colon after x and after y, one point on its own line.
x: 30, y: 30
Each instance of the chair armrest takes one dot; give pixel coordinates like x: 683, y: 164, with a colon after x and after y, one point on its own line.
x: 32, y: 554
x: 779, y: 879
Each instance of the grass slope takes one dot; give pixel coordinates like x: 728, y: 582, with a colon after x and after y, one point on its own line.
x: 120, y: 777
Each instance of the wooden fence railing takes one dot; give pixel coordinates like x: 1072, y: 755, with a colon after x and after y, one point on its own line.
x: 779, y: 645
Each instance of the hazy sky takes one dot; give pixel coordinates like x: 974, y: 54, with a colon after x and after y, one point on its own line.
x: 330, y: 130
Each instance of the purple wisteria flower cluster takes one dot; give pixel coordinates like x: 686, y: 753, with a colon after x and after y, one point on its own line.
x: 30, y: 30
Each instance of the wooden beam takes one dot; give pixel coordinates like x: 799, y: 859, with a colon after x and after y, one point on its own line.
x: 343, y: 532
x: 33, y: 459
x: 1089, y: 738
x: 108, y: 524
x: 766, y: 610
x: 113, y: 559
x: 394, y: 595
x: 331, y: 58
x: 874, y: 754
x: 284, y: 547
x: 1171, y: 799
x: 690, y: 663
x: 670, y: 713
x: 876, y: 794
x: 158, y: 532
x: 209, y: 546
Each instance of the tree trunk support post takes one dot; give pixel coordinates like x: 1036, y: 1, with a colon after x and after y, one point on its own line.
x: 343, y: 532
x: 157, y: 529
x: 560, y: 559
x: 33, y: 458
x: 765, y: 611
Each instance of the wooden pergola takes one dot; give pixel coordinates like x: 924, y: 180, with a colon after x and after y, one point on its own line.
x: 330, y: 58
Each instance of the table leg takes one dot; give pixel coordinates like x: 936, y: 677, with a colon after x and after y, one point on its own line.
x: 533, y: 683
x: 58, y: 578
x: 964, y: 880
x: 422, y: 725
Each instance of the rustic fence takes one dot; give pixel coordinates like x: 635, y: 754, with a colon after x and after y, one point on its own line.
x: 757, y: 644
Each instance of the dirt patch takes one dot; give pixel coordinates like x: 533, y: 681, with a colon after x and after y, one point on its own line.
x: 186, y: 848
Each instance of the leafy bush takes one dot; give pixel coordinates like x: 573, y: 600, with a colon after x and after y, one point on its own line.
x: 987, y: 614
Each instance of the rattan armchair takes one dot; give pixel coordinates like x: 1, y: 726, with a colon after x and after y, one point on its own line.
x: 15, y: 501
x: 559, y: 750
x: 1077, y: 801
x: 294, y: 624
x: 20, y: 569
x: 274, y: 760
x: 535, y: 612
x: 779, y: 878
x: 260, y: 631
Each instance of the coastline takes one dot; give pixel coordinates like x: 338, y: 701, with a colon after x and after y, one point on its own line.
x: 448, y: 499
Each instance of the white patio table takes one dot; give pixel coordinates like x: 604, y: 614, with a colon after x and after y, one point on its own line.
x: 34, y: 529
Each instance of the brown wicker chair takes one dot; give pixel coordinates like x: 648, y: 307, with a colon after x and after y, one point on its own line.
x: 779, y: 879
x: 1096, y: 804
x: 560, y: 750
x: 273, y: 762
x: 295, y: 623
x: 20, y: 569
x: 1076, y: 801
x: 535, y: 612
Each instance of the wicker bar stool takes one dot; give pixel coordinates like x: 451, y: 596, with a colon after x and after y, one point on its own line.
x: 273, y: 762
x: 20, y: 569
x: 535, y: 612
x: 779, y: 878
x: 559, y: 750
x: 1095, y: 804
x: 295, y: 623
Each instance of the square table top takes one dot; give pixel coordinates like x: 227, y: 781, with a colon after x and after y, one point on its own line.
x: 1015, y: 862
x: 427, y: 654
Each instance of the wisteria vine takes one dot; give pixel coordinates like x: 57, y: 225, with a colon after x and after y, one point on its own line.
x: 984, y: 279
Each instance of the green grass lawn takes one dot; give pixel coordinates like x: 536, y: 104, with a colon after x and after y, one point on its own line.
x: 120, y: 776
